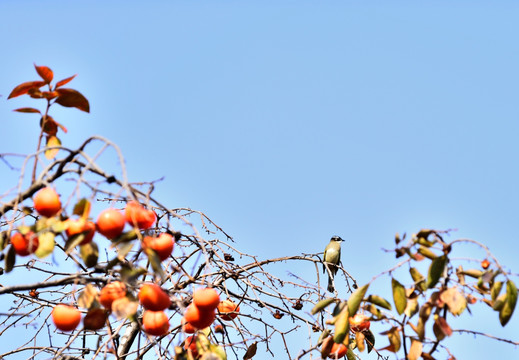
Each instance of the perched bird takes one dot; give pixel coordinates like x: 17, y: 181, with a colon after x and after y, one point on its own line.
x: 332, y: 258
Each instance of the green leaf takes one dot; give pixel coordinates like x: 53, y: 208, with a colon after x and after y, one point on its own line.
x: 124, y: 249
x: 511, y: 300
x: 46, y: 244
x: 425, y: 242
x: 499, y: 303
x: 10, y: 259
x: 342, y: 326
x: 356, y: 298
x: 4, y: 240
x: 321, y: 305
x: 59, y: 226
x: 380, y: 301
x: 496, y: 289
x: 155, y: 262
x: 74, y: 241
x: 350, y: 355
x: 474, y: 273
x: 418, y: 278
x: 81, y: 206
x: 399, y: 296
x: 436, y: 271
x: 89, y: 253
x: 428, y: 253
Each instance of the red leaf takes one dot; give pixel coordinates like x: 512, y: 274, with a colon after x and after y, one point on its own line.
x: 25, y: 87
x: 28, y: 110
x: 64, y: 81
x: 45, y: 73
x: 72, y: 98
x: 49, y: 95
x: 444, y: 326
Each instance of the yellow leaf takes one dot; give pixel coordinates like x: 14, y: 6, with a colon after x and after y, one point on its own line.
x: 46, y: 244
x: 87, y: 296
x: 51, y: 142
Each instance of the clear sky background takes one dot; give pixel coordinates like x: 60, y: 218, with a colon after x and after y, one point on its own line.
x: 290, y: 121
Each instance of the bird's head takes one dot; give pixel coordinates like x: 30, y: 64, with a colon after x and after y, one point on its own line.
x: 337, y: 238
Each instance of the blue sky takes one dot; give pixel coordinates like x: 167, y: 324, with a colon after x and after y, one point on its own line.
x: 291, y: 121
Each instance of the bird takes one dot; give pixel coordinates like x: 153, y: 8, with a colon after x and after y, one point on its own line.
x: 331, y: 259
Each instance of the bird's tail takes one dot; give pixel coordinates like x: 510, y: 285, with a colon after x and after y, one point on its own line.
x: 330, y: 284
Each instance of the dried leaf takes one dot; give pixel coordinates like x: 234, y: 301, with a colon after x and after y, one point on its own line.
x: 355, y: 299
x: 27, y: 110
x: 370, y: 339
x: 441, y: 328
x: 399, y: 297
x: 411, y: 308
x: 415, y: 352
x: 95, y: 319
x: 24, y: 88
x: 45, y: 73
x: 359, y: 340
x: 64, y: 81
x: 124, y: 308
x: 251, y: 351
x: 454, y: 300
x: 87, y: 296
x: 72, y: 98
x: 326, y: 347
x: 394, y: 339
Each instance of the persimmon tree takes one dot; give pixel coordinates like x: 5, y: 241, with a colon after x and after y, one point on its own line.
x: 98, y: 267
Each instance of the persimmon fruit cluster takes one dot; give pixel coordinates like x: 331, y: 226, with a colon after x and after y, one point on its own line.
x: 136, y: 215
x: 202, y: 311
x: 111, y: 292
x: 155, y: 322
x: 24, y: 245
